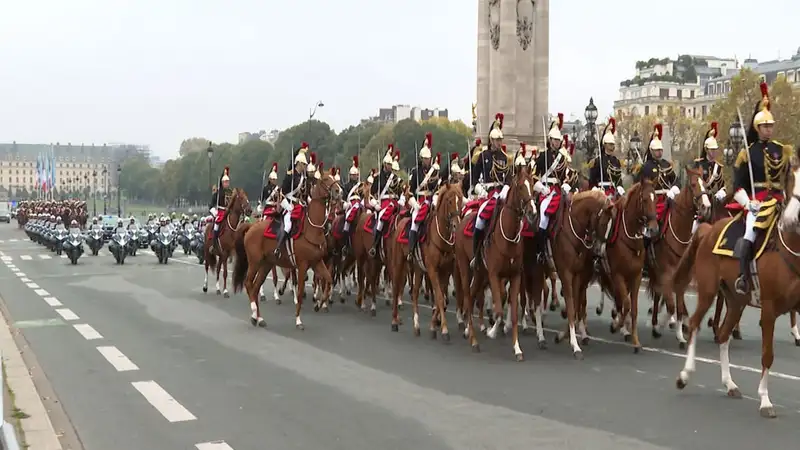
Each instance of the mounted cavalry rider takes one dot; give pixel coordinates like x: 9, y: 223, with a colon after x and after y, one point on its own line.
x: 551, y: 169
x: 457, y: 173
x: 353, y: 199
x: 489, y: 169
x: 712, y: 170
x: 220, y: 199
x: 383, y: 188
x: 662, y: 173
x: 270, y: 194
x: 470, y: 177
x: 293, y: 189
x: 605, y: 169
x: 767, y: 161
x: 422, y: 181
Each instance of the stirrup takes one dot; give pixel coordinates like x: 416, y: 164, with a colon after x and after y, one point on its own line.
x: 741, y: 285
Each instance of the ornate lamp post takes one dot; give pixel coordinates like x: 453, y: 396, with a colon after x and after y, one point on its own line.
x: 735, y: 141
x: 94, y: 193
x: 590, y: 114
x: 210, y: 153
x: 633, y: 151
x: 119, y: 191
x: 313, y: 110
x: 105, y: 190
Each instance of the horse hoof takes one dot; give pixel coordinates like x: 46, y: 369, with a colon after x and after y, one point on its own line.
x: 401, y: 306
x: 797, y: 342
x: 416, y: 332
x: 278, y: 301
x: 462, y: 327
x: 685, y: 328
x: 578, y: 355
x: 682, y: 345
x: 476, y: 348
x: 552, y: 307
x: 373, y: 313
x: 627, y: 338
x: 348, y: 293
x: 637, y: 349
x: 219, y: 292
x: 598, y: 310
x: 427, y: 298
x: 543, y: 345
x: 300, y: 326
x: 557, y: 339
x: 520, y: 358
x: 656, y: 334
x: 737, y: 335
x: 768, y: 412
x: 253, y: 321
x: 680, y: 384
x: 585, y: 341
x: 395, y: 327
x: 563, y: 313
x: 710, y: 322
x: 612, y: 329
x: 445, y: 337
x: 226, y: 295
x: 734, y: 393
x: 388, y: 303
x: 433, y: 334
x: 205, y: 289
x: 263, y: 298
x: 316, y: 308
x: 326, y: 310
x: 281, y: 291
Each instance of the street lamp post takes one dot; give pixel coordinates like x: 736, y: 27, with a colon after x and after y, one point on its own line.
x: 735, y: 141
x: 119, y: 191
x: 210, y: 152
x: 94, y: 193
x: 105, y: 190
x: 313, y: 110
x: 590, y: 114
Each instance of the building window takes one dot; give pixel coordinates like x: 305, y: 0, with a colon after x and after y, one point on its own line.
x: 660, y: 110
x: 646, y: 110
x: 683, y: 111
x: 705, y: 108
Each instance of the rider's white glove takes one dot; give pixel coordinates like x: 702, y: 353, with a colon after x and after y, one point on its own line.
x: 620, y: 191
x: 412, y: 202
x: 373, y: 203
x: 260, y: 209
x: 213, y: 211
x: 741, y: 198
x: 754, y: 206
x: 541, y: 188
x: 504, y: 192
x: 480, y: 191
x: 286, y: 205
x: 566, y: 187
x: 720, y: 194
x: 673, y: 191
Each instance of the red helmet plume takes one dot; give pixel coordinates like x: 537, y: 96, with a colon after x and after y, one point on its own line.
x: 453, y: 156
x: 274, y: 167
x: 612, y: 122
x: 390, y: 147
x: 499, y: 118
x: 572, y: 148
x: 659, y: 131
x: 715, y: 128
x: 438, y: 158
x: 397, y: 154
x: 304, y: 144
x: 477, y: 142
x: 765, y: 96
x: 566, y: 141
x: 313, y: 157
x: 560, y: 120
x: 226, y: 170
x: 355, y: 161
x: 319, y: 166
x: 429, y: 139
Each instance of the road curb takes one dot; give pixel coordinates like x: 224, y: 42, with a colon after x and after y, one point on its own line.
x: 38, y: 430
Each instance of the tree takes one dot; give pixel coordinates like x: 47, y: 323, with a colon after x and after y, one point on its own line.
x: 193, y: 145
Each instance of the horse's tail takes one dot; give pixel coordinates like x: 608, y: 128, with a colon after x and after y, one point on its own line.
x: 240, y: 267
x: 682, y: 274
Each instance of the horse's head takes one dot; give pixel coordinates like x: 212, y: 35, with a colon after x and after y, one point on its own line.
x: 239, y: 203
x: 595, y: 210
x: 791, y: 215
x: 641, y: 199
x: 520, y: 194
x: 327, y: 189
x: 450, y: 201
x: 697, y: 190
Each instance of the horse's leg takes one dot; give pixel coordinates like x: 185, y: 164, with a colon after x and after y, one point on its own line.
x: 634, y: 294
x: 794, y: 331
x: 302, y: 269
x: 767, y: 357
x: 225, y: 293
x: 714, y: 322
x: 705, y: 297
x: 514, y: 305
x: 459, y: 296
x: 219, y: 268
x: 569, y: 285
x: 497, y: 304
x: 399, y: 274
x: 323, y: 275
x: 205, y: 279
x: 416, y: 286
x: 475, y: 287
x: 437, y: 276
x: 258, y: 280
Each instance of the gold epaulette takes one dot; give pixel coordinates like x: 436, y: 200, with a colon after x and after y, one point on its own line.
x: 288, y: 172
x: 742, y: 157
x: 623, y: 163
x: 476, y: 154
x: 591, y: 163
x: 788, y: 152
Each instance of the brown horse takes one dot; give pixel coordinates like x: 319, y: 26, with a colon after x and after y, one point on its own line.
x: 237, y: 209
x: 255, y: 258
x: 434, y: 258
x: 501, y: 258
x: 573, y: 255
x: 622, y: 265
x: 693, y: 200
x: 779, y: 288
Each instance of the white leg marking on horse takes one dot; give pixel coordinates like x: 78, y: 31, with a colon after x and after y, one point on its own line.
x: 525, y: 324
x: 275, y: 295
x: 297, y: 321
x: 261, y: 291
x: 573, y: 339
x: 507, y: 324
x: 672, y: 319
x: 205, y: 281
x: 466, y: 331
x: 582, y: 329
x: 688, y: 366
x: 795, y: 332
x: 416, y: 321
x: 763, y: 392
x: 217, y: 284
x: 492, y: 333
x: 254, y: 309
x: 725, y: 366
x: 537, y: 315
x: 517, y: 349
x: 459, y: 316
x: 679, y: 332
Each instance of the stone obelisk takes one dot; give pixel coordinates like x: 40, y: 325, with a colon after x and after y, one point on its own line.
x: 513, y: 68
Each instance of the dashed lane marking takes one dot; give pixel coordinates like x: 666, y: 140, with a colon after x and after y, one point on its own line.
x: 87, y: 331
x: 5, y: 258
x: 117, y: 359
x: 163, y: 402
x: 52, y: 301
x: 42, y: 293
x: 20, y: 274
x: 216, y: 445
x: 13, y: 240
x: 25, y: 257
x: 32, y: 285
x: 67, y: 314
x: 44, y: 257
x: 14, y: 269
x: 25, y: 280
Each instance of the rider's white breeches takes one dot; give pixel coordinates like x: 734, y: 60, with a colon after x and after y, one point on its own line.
x: 480, y: 224
x: 346, y: 226
x: 287, y: 221
x: 216, y: 226
x: 544, y: 220
x: 414, y: 214
x: 749, y: 230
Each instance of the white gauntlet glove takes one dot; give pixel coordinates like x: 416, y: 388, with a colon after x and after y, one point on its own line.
x: 285, y: 204
x: 213, y: 211
x: 373, y: 203
x: 620, y: 191
x: 541, y: 188
x: 566, y: 187
x: 504, y: 192
x: 721, y: 194
x: 673, y: 191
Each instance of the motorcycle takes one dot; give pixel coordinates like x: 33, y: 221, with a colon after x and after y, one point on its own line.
x: 73, y: 245
x: 185, y: 238
x: 197, y: 244
x: 136, y: 237
x: 162, y: 245
x: 118, y: 245
x: 59, y: 237
x: 94, y: 238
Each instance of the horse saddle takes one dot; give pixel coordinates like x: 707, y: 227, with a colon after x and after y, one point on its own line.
x: 734, y: 231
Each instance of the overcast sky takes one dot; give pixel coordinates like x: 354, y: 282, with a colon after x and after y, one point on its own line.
x: 157, y: 71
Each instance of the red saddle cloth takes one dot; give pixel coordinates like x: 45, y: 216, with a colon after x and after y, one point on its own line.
x: 528, y: 230
x: 761, y: 196
x: 471, y: 206
x: 661, y: 207
x: 351, y: 215
x: 402, y: 237
x: 269, y: 210
x: 469, y: 228
x: 389, y: 208
x: 275, y: 223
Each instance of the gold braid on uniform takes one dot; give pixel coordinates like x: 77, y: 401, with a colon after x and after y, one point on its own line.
x: 614, y: 172
x: 662, y: 174
x: 499, y: 170
x: 778, y: 167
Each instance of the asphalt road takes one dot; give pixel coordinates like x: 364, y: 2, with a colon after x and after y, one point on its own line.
x: 140, y: 358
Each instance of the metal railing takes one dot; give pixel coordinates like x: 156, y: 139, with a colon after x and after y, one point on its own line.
x: 8, y: 435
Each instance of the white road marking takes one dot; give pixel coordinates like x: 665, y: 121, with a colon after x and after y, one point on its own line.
x: 216, y: 445
x: 13, y: 240
x: 42, y: 293
x: 32, y: 285
x: 87, y: 331
x: 14, y: 269
x: 52, y: 301
x: 67, y: 314
x: 44, y: 256
x: 25, y: 280
x: 64, y: 256
x: 6, y: 258
x: 163, y: 402
x: 26, y: 240
x: 25, y: 257
x: 20, y: 274
x: 117, y: 359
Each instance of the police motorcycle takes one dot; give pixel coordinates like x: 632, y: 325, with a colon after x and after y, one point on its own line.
x: 118, y: 244
x: 199, y: 240
x: 73, y: 244
x: 162, y: 244
x: 151, y: 228
x: 94, y: 237
x: 135, y: 236
x: 185, y: 237
x: 60, y: 235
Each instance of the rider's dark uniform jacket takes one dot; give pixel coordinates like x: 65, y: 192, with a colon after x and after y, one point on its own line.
x: 266, y: 192
x: 348, y: 186
x: 290, y: 182
x: 543, y: 163
x: 712, y: 174
x: 660, y: 172
x: 770, y: 160
x: 490, y: 166
x: 221, y: 201
x: 380, y: 182
x: 611, y: 170
x: 415, y: 178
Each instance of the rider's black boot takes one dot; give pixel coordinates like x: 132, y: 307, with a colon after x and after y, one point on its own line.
x: 541, y: 245
x: 376, y: 241
x: 477, y: 238
x: 744, y: 250
x: 281, y: 240
x: 412, y: 243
